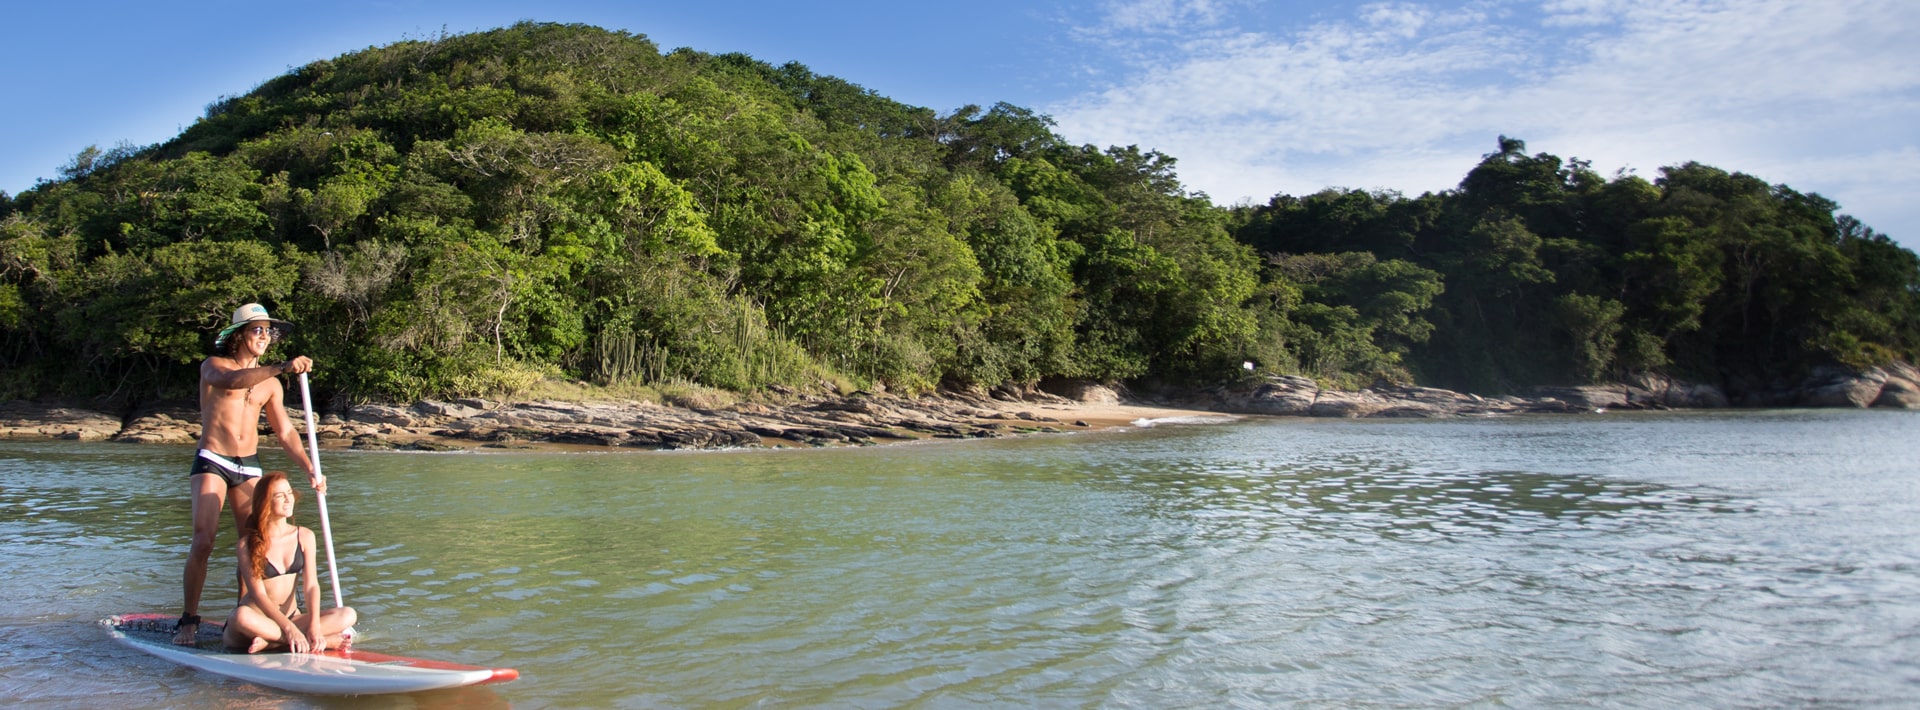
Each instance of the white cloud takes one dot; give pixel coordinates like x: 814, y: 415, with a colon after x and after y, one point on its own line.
x: 1575, y: 13
x: 1124, y: 16
x: 1260, y: 106
x: 1408, y: 96
x: 1400, y: 19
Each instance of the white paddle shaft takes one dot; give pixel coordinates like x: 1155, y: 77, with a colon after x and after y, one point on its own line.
x: 313, y: 454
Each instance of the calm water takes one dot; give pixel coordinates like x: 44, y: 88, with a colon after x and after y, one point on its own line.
x: 1755, y: 559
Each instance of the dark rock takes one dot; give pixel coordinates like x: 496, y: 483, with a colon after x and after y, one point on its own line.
x: 27, y: 420
x: 585, y: 437
x: 1586, y: 397
x: 165, y: 425
x: 1412, y: 412
x: 428, y: 445
x: 373, y: 443
x: 1654, y: 391
x: 1332, y: 403
x: 1835, y: 387
x: 1284, y: 396
x: 381, y: 414
x: 1079, y: 390
x: 1902, y: 389
x: 696, y: 439
x: 446, y: 409
x: 856, y: 405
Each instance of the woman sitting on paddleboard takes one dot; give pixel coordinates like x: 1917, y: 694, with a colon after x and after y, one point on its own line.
x: 276, y: 557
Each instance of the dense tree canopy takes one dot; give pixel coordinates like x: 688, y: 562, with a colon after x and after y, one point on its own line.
x: 457, y: 215
x: 1553, y: 274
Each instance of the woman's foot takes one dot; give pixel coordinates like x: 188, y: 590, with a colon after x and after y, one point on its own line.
x: 186, y: 629
x: 258, y: 645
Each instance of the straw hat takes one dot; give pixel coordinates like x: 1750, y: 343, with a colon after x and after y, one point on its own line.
x: 251, y: 313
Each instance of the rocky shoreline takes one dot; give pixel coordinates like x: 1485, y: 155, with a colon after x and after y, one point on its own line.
x: 866, y: 419
x: 1893, y: 387
x: 477, y: 423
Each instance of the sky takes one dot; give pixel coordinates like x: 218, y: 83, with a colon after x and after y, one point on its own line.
x: 1251, y: 98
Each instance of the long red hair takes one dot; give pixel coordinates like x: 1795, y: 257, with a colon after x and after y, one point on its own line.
x: 257, y: 522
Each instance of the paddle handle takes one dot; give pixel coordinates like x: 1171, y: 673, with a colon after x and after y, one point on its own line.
x: 313, y: 454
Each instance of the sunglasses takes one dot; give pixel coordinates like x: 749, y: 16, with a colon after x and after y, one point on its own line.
x: 260, y: 330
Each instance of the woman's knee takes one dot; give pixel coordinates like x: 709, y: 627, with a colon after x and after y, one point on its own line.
x: 342, y: 617
x: 251, y: 623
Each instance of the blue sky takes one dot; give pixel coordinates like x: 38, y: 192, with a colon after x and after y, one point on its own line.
x: 1252, y: 98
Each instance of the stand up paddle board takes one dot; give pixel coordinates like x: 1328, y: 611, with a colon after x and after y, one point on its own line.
x: 335, y: 672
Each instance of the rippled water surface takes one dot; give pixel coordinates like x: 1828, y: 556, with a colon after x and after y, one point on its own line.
x: 1748, y: 559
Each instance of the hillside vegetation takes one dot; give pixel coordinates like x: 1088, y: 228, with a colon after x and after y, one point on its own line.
x: 464, y: 214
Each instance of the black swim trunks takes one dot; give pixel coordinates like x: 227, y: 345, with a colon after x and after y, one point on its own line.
x: 233, y: 471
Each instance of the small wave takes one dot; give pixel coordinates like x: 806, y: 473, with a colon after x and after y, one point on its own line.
x: 1149, y: 422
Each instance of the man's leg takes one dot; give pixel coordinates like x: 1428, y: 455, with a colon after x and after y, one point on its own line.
x: 209, y: 496
x: 242, y: 496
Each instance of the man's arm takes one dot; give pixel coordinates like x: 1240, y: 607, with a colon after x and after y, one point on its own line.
x: 289, y: 438
x: 219, y: 372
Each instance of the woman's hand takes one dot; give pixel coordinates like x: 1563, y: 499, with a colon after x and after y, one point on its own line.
x: 319, y: 640
x: 296, y: 641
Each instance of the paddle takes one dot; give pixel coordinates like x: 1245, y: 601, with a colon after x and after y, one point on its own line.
x: 326, y: 529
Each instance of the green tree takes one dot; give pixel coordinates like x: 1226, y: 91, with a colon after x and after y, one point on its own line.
x: 1593, y: 325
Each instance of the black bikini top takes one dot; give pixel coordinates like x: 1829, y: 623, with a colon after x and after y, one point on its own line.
x: 299, y: 563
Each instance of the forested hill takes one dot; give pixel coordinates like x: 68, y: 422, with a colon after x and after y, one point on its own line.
x: 463, y: 214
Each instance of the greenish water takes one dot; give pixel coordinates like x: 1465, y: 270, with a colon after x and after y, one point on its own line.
x: 1708, y: 560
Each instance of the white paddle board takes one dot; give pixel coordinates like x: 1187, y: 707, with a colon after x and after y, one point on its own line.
x: 335, y: 672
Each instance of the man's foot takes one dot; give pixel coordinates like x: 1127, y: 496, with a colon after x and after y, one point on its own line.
x: 186, y: 629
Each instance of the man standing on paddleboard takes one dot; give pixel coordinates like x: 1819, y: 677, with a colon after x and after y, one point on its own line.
x: 234, y: 389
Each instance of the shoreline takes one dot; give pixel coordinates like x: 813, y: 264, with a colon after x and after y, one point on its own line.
x: 863, y: 419
x: 547, y: 425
